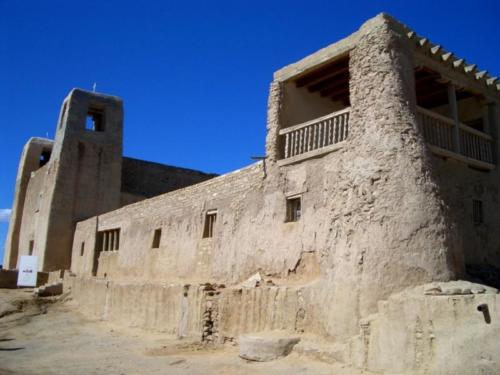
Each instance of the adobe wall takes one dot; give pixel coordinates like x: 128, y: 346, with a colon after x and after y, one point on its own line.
x: 183, y: 253
x: 459, y: 185
x: 36, y: 212
x: 440, y: 328
x: 147, y: 179
x: 29, y: 162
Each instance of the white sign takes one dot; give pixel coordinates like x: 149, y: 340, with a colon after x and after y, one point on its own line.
x: 28, y: 271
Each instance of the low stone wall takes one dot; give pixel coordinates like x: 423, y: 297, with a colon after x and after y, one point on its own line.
x: 205, y: 312
x: 168, y: 308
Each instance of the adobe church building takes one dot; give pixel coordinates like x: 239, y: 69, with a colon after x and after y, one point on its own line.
x: 370, y: 227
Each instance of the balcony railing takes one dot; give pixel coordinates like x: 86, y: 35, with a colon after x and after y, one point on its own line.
x: 327, y: 133
x: 315, y: 137
x: 474, y: 147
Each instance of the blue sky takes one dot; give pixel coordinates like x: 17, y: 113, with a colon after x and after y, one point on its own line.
x: 194, y: 75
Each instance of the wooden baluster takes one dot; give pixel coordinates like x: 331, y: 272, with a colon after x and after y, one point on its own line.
x: 342, y: 130
x: 337, y: 121
x: 287, y: 139
x: 297, y: 136
x: 330, y: 131
x: 315, y: 141
x: 301, y: 140
x: 321, y: 134
x: 346, y: 125
x: 295, y: 142
x: 326, y: 133
x: 312, y: 129
x: 306, y: 139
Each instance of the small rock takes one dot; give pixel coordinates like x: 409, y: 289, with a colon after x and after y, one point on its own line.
x: 253, y: 281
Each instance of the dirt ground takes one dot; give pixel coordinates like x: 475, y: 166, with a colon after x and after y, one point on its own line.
x: 49, y: 336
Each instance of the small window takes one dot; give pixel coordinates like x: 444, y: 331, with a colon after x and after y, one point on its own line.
x: 82, y: 248
x: 156, y: 239
x: 95, y: 120
x: 108, y: 240
x: 44, y: 158
x: 32, y: 246
x: 293, y: 209
x: 210, y: 219
x: 477, y: 211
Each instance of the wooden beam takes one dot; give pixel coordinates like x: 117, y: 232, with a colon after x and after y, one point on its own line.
x: 340, y: 95
x: 339, y: 75
x: 452, y: 101
x: 331, y: 90
x: 319, y: 74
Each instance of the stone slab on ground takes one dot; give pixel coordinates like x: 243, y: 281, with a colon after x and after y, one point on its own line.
x: 266, y: 346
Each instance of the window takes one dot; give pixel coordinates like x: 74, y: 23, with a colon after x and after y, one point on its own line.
x: 44, y: 158
x: 156, y: 239
x: 210, y: 218
x: 95, y: 120
x: 32, y: 246
x: 477, y: 211
x: 108, y: 240
x: 82, y: 248
x: 293, y: 209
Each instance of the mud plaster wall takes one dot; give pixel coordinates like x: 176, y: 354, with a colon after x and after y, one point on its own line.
x: 30, y: 162
x: 148, y: 179
x: 423, y: 334
x: 459, y: 185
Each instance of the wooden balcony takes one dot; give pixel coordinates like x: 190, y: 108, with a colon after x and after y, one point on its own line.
x: 328, y: 133
x: 467, y: 145
x: 314, y: 138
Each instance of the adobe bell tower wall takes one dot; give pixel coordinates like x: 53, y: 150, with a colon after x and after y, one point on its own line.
x: 35, y: 154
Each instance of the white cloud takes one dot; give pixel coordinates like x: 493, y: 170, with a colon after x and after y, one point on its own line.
x: 5, y: 215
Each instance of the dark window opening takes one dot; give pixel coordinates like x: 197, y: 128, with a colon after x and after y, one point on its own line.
x: 156, y: 239
x: 108, y: 240
x: 293, y: 209
x: 82, y: 248
x: 44, y: 158
x: 210, y: 219
x: 95, y: 120
x: 32, y: 246
x: 477, y: 212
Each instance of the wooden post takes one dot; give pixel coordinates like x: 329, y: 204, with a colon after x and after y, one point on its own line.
x: 493, y: 125
x: 452, y: 101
